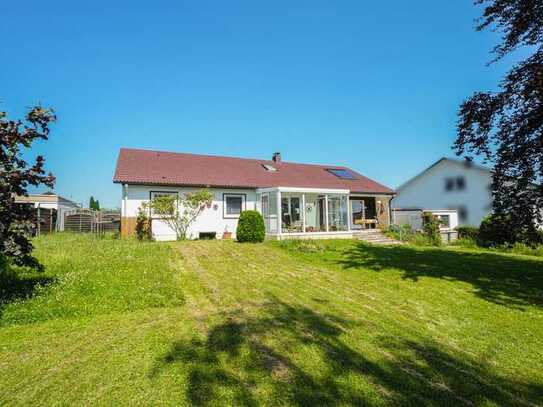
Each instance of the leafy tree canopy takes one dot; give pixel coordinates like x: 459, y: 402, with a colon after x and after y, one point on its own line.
x: 17, y: 221
x: 505, y: 128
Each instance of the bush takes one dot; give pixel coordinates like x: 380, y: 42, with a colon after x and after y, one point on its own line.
x: 430, y: 226
x: 468, y: 232
x: 250, y: 227
x: 496, y: 230
x: 500, y: 230
x: 403, y: 232
x: 143, y: 225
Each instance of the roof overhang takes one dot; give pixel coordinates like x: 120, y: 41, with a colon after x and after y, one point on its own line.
x: 304, y: 190
x: 181, y: 185
x: 258, y: 189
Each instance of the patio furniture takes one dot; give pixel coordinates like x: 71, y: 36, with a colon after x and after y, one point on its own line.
x: 367, y: 223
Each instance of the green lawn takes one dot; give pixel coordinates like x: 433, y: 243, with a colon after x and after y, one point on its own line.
x: 220, y: 323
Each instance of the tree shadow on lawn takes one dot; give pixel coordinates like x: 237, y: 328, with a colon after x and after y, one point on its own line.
x: 510, y: 281
x: 20, y: 284
x: 271, y: 350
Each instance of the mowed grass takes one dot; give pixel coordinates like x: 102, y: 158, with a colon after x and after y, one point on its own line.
x: 220, y: 323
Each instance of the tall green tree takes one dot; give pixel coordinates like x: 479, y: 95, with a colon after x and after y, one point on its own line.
x: 17, y: 221
x: 505, y: 127
x: 94, y: 204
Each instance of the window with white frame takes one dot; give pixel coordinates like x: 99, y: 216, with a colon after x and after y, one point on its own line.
x: 158, y: 194
x: 233, y: 205
x: 445, y: 221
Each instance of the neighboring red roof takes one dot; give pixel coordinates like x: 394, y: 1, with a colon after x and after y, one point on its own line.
x: 163, y: 168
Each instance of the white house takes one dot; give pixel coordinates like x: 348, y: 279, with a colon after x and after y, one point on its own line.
x: 448, y: 184
x: 296, y: 200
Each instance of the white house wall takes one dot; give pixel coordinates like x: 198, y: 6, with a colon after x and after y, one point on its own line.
x: 210, y: 220
x: 428, y: 191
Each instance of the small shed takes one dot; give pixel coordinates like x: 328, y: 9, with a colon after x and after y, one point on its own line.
x: 413, y: 218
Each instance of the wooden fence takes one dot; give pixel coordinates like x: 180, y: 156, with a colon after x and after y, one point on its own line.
x: 88, y: 221
x: 45, y: 220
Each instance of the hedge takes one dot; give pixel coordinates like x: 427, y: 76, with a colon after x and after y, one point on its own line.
x: 468, y: 232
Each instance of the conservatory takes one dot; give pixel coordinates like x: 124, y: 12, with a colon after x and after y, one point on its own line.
x: 304, y: 212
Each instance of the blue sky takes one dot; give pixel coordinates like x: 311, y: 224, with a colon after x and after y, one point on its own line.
x: 371, y: 85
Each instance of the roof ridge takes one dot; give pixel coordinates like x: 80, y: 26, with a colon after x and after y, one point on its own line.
x: 266, y: 161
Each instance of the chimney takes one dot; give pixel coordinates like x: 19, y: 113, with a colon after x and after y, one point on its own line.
x: 276, y: 158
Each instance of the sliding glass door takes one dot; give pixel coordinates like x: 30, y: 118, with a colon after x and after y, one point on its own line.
x: 363, y: 209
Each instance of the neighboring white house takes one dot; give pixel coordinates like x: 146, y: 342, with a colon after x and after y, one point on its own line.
x: 448, y: 184
x: 295, y: 200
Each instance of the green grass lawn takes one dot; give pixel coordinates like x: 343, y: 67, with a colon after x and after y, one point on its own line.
x: 220, y: 323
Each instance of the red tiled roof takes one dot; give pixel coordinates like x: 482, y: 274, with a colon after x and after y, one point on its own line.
x: 163, y: 168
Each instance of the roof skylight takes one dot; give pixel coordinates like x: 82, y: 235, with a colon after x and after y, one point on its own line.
x: 341, y: 173
x: 269, y: 167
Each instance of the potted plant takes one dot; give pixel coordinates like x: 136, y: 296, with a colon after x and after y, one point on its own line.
x: 226, y: 234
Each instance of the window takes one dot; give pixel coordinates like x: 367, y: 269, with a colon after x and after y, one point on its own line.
x: 449, y: 184
x: 455, y: 184
x: 460, y: 183
x: 291, y: 214
x: 445, y: 221
x: 341, y: 173
x: 160, y: 194
x: 234, y: 204
x: 337, y: 213
x: 463, y: 214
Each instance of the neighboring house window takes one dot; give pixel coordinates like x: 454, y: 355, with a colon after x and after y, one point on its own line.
x: 445, y: 221
x: 462, y: 213
x: 156, y: 194
x: 455, y: 184
x: 234, y: 204
x: 460, y: 183
x: 449, y: 184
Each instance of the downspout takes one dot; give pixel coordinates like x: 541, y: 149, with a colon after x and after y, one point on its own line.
x: 124, y: 219
x: 391, y: 212
x: 125, y: 199
x: 326, y: 212
x: 279, y: 219
x: 303, y: 213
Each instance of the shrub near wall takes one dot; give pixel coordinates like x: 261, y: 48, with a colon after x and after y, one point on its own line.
x: 143, y: 225
x: 430, y: 226
x: 496, y: 231
x: 250, y: 227
x: 468, y: 232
